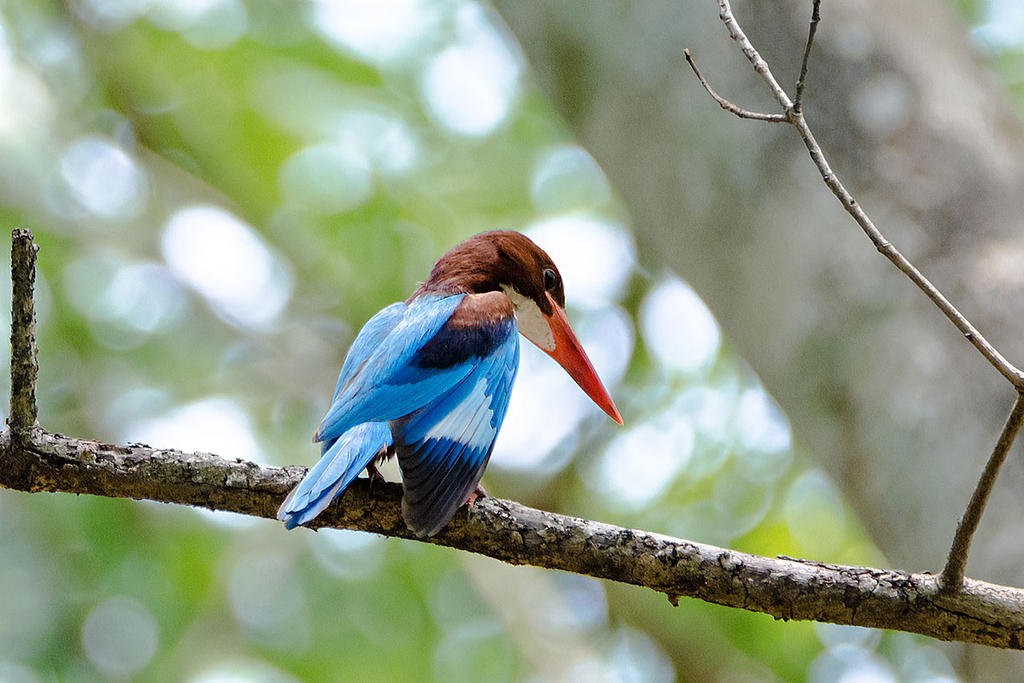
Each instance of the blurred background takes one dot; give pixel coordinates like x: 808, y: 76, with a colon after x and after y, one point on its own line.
x: 225, y: 190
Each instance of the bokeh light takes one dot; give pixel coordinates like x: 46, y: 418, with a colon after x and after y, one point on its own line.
x: 640, y: 464
x: 326, y: 179
x: 387, y: 143
x: 223, y: 259
x: 678, y: 329
x: 849, y: 664
x: 103, y: 179
x: 387, y: 38
x: 469, y: 87
x: 1002, y: 26
x: 205, y: 24
x: 212, y: 425
x: 567, y: 179
x: 120, y: 636
x: 243, y: 671
x: 268, y: 599
x: 815, y: 515
x: 350, y: 555
x: 594, y: 256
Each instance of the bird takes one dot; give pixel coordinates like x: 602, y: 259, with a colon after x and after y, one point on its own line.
x: 428, y: 380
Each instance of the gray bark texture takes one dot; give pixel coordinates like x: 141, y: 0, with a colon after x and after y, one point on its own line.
x: 24, y: 366
x: 884, y: 392
x: 783, y: 587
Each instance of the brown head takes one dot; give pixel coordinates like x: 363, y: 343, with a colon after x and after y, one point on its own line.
x: 496, y: 261
x: 509, y: 262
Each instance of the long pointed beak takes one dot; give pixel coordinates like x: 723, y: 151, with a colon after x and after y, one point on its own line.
x: 569, y: 353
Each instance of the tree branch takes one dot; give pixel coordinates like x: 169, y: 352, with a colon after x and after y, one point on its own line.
x: 795, y: 116
x: 953, y: 573
x: 782, y: 587
x: 801, y: 81
x: 752, y: 55
x: 726, y: 104
x: 885, y: 247
x: 24, y: 367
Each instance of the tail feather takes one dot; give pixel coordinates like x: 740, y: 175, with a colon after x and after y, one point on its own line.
x: 341, y: 462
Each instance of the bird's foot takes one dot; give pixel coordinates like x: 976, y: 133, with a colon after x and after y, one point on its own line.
x: 478, y: 492
x: 374, y: 475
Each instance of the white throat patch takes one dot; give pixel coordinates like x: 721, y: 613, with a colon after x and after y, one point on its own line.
x: 532, y: 323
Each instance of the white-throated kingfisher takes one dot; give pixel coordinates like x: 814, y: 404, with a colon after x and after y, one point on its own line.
x: 429, y: 379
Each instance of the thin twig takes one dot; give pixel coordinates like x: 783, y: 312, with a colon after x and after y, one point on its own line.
x: 726, y: 104
x: 885, y: 247
x: 24, y: 367
x: 952, y: 578
x: 760, y: 66
x: 802, y: 80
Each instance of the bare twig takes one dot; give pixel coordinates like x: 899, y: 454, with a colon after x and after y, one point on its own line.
x: 953, y: 573
x: 760, y: 66
x: 23, y: 334
x: 801, y: 81
x: 729, y: 106
x: 883, y: 245
x: 782, y: 587
x: 952, y: 578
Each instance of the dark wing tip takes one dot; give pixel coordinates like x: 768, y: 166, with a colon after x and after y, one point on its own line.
x: 434, y: 494
x: 427, y: 520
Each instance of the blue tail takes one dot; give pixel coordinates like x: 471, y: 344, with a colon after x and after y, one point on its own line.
x: 341, y: 462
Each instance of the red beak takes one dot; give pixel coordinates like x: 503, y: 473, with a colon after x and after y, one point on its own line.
x: 570, y: 355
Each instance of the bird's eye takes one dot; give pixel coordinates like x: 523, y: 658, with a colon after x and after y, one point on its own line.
x: 550, y: 279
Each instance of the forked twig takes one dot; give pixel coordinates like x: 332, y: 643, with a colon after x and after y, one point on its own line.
x: 802, y: 80
x: 952, y: 575
x: 726, y: 104
x: 852, y: 207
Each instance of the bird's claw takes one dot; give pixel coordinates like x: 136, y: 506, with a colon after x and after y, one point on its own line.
x: 478, y: 492
x: 373, y: 474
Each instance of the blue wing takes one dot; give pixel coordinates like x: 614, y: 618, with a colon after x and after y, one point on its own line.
x: 341, y: 462
x: 443, y: 448
x: 369, y: 338
x: 388, y: 383
x: 442, y: 380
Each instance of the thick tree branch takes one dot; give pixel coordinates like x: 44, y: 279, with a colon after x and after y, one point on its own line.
x: 782, y: 587
x: 35, y: 460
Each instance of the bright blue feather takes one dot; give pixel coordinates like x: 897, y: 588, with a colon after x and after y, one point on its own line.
x: 444, y: 447
x: 386, y: 385
x: 347, y: 456
x: 432, y: 392
x: 369, y: 338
